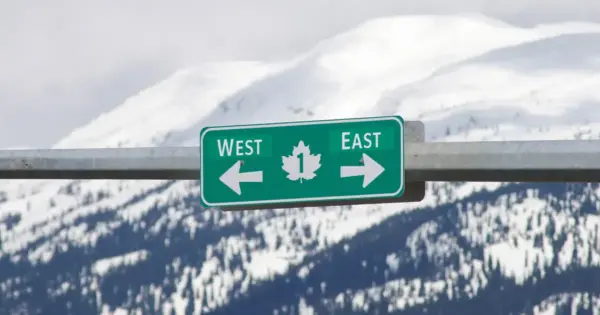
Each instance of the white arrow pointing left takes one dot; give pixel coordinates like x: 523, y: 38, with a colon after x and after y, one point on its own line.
x: 232, y: 177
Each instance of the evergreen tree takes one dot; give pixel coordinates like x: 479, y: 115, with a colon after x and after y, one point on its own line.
x: 590, y: 252
x: 189, y: 293
x: 551, y: 228
x: 575, y: 260
x: 536, y: 273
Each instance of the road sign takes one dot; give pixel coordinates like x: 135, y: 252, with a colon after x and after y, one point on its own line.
x: 304, y: 163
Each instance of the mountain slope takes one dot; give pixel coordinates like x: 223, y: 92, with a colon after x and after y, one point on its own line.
x: 74, y: 247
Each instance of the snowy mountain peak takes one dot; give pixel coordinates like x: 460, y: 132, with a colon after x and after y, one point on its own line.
x: 342, y: 77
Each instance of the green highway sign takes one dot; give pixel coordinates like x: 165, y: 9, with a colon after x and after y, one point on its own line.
x: 346, y: 161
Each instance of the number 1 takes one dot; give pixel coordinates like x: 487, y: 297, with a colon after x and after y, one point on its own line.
x: 301, y: 158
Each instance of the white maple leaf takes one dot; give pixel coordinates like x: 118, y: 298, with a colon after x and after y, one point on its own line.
x: 291, y: 165
x: 301, y: 164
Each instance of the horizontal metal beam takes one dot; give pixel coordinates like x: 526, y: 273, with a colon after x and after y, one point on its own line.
x: 505, y: 161
x: 511, y: 161
x: 112, y: 163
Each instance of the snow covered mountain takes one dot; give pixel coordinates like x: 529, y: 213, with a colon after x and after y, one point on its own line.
x: 147, y: 247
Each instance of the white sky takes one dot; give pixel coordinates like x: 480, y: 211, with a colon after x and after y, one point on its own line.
x: 62, y: 62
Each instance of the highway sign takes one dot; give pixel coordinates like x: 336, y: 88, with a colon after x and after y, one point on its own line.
x: 303, y: 163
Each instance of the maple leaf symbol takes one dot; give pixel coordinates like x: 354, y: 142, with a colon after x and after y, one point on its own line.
x: 301, y: 164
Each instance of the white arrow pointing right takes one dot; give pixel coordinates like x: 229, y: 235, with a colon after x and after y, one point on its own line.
x: 370, y: 170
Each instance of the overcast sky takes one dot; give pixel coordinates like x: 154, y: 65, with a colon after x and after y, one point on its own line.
x: 62, y: 62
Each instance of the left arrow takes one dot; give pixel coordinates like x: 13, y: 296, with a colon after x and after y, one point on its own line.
x: 232, y: 177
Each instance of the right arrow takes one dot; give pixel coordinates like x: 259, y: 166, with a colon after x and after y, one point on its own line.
x: 370, y: 170
x: 232, y: 177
